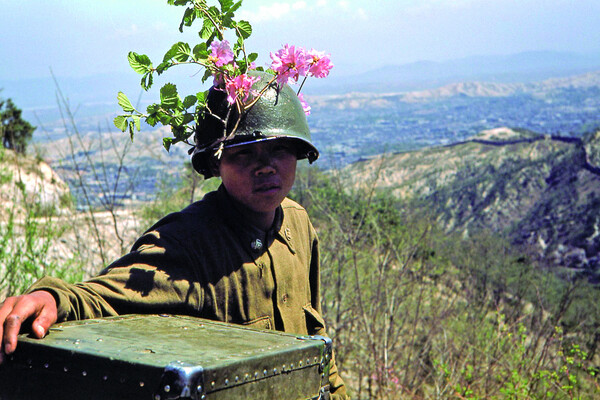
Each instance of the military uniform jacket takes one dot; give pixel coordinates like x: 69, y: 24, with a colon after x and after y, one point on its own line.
x: 207, y: 261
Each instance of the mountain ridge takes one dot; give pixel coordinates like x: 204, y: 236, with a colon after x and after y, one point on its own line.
x: 541, y: 191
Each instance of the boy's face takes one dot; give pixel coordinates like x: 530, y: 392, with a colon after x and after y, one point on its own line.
x: 259, y: 175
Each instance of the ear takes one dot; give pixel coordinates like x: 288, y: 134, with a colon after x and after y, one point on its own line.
x: 213, y: 164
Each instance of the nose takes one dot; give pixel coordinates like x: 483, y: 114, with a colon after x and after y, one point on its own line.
x: 265, y: 163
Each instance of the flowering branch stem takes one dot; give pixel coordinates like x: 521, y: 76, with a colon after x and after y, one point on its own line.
x: 243, y: 47
x: 263, y: 90
x: 237, y: 123
x: 301, y: 85
x: 217, y: 27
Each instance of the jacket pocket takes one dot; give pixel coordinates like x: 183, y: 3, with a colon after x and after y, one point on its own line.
x: 259, y: 323
x: 315, y: 324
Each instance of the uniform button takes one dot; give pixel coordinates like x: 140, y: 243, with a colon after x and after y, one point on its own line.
x: 285, y: 298
x: 288, y: 234
x: 256, y: 244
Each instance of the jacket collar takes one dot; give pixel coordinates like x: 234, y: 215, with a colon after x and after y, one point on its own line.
x: 254, y: 240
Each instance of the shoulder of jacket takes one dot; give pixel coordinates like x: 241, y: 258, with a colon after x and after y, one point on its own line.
x: 191, y: 218
x: 289, y: 204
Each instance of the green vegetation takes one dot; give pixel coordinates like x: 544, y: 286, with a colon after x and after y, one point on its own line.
x: 14, y: 130
x: 170, y: 199
x: 419, y: 314
x: 28, y: 232
x: 415, y: 313
x: 536, y: 189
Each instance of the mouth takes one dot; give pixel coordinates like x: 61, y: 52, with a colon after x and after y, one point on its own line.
x: 267, y: 187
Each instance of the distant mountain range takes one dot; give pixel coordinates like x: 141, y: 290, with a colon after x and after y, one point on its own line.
x: 522, y: 67
x: 540, y: 190
x: 462, y: 89
x: 99, y: 92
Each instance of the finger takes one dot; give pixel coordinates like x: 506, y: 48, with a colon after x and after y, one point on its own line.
x: 24, y: 308
x: 45, y: 319
x: 5, y: 309
x: 12, y: 326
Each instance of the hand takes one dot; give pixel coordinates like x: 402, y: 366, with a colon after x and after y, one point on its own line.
x: 37, y: 308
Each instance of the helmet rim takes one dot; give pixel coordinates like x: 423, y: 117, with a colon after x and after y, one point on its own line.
x: 278, y: 114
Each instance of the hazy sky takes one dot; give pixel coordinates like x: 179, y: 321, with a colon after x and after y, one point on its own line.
x: 82, y: 37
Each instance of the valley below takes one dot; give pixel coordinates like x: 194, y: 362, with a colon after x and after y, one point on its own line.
x: 517, y: 159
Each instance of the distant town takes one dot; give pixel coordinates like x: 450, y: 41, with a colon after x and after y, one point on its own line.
x: 346, y: 134
x: 346, y: 128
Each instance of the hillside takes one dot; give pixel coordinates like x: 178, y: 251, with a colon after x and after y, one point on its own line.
x: 540, y: 190
x: 26, y: 181
x: 41, y: 232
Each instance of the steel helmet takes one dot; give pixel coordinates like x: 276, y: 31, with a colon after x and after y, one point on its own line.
x: 277, y: 115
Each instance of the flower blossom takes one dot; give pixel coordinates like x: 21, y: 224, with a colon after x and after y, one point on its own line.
x: 289, y: 63
x: 220, y: 53
x: 240, y: 87
x: 319, y: 63
x: 305, y: 105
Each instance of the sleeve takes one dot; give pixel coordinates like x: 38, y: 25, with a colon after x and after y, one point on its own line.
x: 317, y: 323
x: 155, y: 277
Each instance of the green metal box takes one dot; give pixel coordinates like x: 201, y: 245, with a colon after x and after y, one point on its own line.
x: 161, y: 357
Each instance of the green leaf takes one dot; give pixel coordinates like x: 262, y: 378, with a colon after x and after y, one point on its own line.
x: 207, y: 74
x: 167, y: 143
x: 225, y: 5
x: 238, y: 46
x: 228, y: 21
x: 121, y: 122
x: 183, y: 52
x: 189, y: 101
x: 136, y: 121
x: 164, y: 118
x: 214, y: 13
x: 163, y: 66
x: 202, y: 96
x: 245, y: 29
x: 131, y: 130
x: 187, y: 118
x: 200, y: 52
x: 152, y: 119
x: 252, y: 57
x: 242, y: 65
x: 188, y: 17
x: 139, y: 62
x: 208, y: 30
x: 170, y: 53
x: 147, y: 81
x: 235, y: 7
x: 177, y: 120
x: 168, y: 96
x: 124, y: 102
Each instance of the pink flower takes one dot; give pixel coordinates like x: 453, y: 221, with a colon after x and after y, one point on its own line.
x: 289, y: 63
x: 220, y: 53
x: 319, y: 63
x: 305, y: 105
x: 240, y: 87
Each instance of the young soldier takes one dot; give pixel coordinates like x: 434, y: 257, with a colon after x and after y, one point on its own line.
x: 244, y: 254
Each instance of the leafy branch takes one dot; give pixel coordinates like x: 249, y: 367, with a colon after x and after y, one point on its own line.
x: 227, y: 66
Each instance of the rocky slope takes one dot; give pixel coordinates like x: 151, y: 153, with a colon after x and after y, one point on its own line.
x: 40, y: 226
x: 540, y: 190
x: 25, y: 181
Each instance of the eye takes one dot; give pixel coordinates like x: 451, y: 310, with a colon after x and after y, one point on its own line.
x: 283, y: 148
x: 240, y: 152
